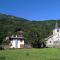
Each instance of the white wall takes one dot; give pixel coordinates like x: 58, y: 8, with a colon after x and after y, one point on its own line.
x: 22, y: 42
x: 55, y: 31
x: 55, y: 37
x: 48, y: 44
x: 18, y: 43
x: 13, y: 42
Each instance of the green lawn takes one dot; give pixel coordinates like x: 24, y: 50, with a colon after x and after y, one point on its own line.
x: 31, y: 54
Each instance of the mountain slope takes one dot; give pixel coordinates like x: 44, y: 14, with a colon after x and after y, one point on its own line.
x: 33, y: 30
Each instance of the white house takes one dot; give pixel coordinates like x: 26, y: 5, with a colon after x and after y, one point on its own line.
x: 17, y: 41
x: 54, y: 39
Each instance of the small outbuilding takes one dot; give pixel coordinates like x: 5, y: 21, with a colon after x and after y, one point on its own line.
x: 17, y: 41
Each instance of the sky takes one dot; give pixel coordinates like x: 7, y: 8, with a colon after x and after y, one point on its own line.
x: 31, y: 9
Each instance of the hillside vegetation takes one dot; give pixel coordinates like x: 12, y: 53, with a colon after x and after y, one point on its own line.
x: 34, y: 31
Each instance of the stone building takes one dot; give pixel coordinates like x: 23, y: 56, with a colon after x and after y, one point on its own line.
x: 17, y: 41
x: 54, y: 39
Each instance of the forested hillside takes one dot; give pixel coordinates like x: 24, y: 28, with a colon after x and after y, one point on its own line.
x: 34, y: 31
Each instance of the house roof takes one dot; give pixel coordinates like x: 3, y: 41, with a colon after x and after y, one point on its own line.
x: 50, y: 37
x: 18, y: 38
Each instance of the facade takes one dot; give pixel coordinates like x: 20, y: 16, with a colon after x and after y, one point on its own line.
x: 54, y: 39
x: 17, y: 41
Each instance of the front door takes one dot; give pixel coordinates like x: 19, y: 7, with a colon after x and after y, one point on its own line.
x: 21, y: 45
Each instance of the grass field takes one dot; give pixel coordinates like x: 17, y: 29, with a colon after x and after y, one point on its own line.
x: 31, y: 54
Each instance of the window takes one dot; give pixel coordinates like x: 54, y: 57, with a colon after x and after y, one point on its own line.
x: 57, y: 30
x: 58, y: 35
x: 50, y: 41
